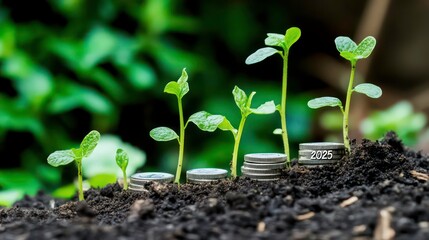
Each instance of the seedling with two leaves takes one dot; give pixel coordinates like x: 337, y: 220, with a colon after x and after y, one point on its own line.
x: 122, y: 160
x: 352, y: 52
x: 64, y: 157
x: 284, y: 42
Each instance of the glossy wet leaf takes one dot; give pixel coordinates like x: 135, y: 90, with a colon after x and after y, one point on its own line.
x: 61, y: 157
x: 122, y: 158
x: 371, y: 90
x: 89, y: 143
x: 292, y: 35
x: 206, y: 121
x: 345, y: 44
x: 266, y: 108
x: 163, y: 134
x: 364, y: 49
x: 324, y: 102
x: 240, y: 98
x: 226, y: 125
x: 179, y: 88
x: 274, y: 39
x: 260, y: 55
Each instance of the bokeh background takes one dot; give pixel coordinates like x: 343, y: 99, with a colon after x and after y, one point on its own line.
x: 70, y: 66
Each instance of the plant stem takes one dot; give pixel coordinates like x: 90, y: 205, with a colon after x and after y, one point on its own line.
x: 237, y: 139
x: 181, y: 143
x: 283, y: 106
x: 79, y: 178
x: 347, y: 108
x: 124, y: 171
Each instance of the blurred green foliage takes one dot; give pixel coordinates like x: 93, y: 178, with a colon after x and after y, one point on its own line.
x: 400, y: 118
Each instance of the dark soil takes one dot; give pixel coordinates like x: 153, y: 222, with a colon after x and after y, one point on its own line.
x: 380, y: 192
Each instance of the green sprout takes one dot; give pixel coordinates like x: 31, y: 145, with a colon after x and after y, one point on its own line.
x: 352, y: 52
x: 285, y: 42
x: 64, y: 157
x: 203, y: 120
x: 122, y: 160
x: 244, y: 103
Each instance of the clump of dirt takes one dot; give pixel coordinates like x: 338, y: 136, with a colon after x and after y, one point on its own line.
x: 381, y: 190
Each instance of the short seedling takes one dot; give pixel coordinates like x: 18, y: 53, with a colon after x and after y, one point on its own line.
x: 244, y: 103
x: 285, y: 42
x: 203, y: 120
x: 64, y: 157
x: 122, y: 161
x: 352, y: 52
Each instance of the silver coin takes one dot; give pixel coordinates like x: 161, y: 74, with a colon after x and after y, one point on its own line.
x: 191, y: 180
x: 261, y: 175
x: 151, y: 176
x: 316, y: 162
x: 321, y: 146
x: 256, y: 170
x: 322, y: 151
x: 308, y: 157
x: 279, y: 165
x: 206, y: 173
x: 134, y: 185
x: 136, y: 189
x: 265, y: 157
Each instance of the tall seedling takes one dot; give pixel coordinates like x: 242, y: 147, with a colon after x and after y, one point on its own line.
x: 202, y: 120
x: 284, y: 42
x: 352, y: 52
x: 64, y: 157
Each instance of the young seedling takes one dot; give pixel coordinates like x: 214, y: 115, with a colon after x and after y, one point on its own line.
x: 352, y: 52
x: 64, y: 157
x: 122, y: 161
x: 284, y: 42
x: 203, y: 120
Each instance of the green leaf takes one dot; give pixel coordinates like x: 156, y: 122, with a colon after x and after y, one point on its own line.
x: 278, y: 131
x: 163, y: 134
x: 240, y: 98
x: 345, y: 44
x: 122, y: 158
x: 101, y: 180
x: 205, y: 121
x: 266, y: 108
x: 97, y: 45
x: 292, y: 35
x: 274, y: 39
x: 62, y: 157
x: 179, y: 88
x: 325, y: 102
x: 371, y: 90
x: 226, y: 125
x: 260, y: 55
x: 140, y: 75
x: 364, y: 49
x: 89, y: 143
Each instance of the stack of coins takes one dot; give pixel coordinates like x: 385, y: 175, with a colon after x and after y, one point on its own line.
x: 204, y: 175
x: 137, y: 180
x: 263, y: 166
x: 320, y: 153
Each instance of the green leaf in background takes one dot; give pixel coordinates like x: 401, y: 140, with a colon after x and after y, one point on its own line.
x: 292, y: 35
x: 140, y: 75
x: 89, y: 142
x: 274, y: 39
x: 65, y: 192
x: 99, y: 43
x: 371, y: 90
x: 206, y: 121
x: 9, y: 197
x: 240, y: 98
x: 101, y: 180
x: 260, y: 55
x: 122, y: 158
x: 324, y: 102
x: 21, y: 180
x: 266, y: 108
x: 61, y: 157
x: 163, y: 134
x: 7, y: 39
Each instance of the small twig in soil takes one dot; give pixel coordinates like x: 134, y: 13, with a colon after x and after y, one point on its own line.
x: 383, y: 229
x: 349, y: 201
x: 305, y: 216
x: 420, y: 176
x: 261, y: 227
